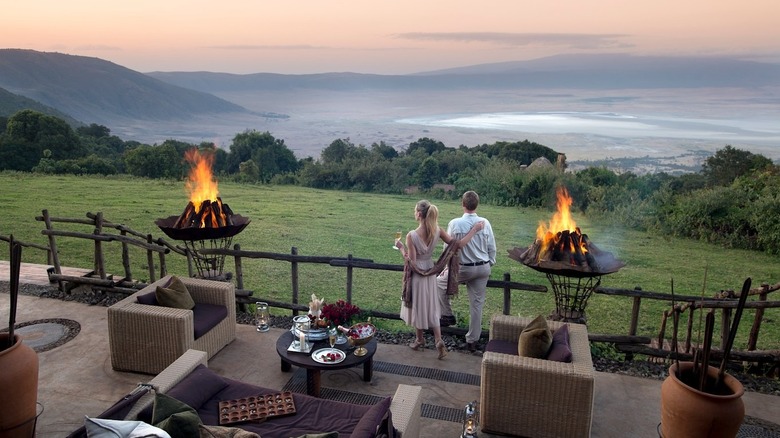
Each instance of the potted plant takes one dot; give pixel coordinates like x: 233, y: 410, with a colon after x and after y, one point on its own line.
x: 698, y: 399
x: 18, y: 368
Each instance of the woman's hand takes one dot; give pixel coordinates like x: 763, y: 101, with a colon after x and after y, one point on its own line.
x: 479, y: 226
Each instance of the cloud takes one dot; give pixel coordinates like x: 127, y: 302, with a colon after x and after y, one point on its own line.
x: 267, y: 47
x: 571, y: 40
x: 98, y: 47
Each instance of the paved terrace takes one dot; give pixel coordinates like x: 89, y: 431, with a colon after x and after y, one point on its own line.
x: 76, y: 378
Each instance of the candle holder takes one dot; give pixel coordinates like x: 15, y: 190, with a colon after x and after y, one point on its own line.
x: 470, y: 421
x: 261, y: 317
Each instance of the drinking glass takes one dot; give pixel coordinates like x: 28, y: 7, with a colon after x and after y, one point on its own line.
x: 261, y: 316
x: 397, y: 238
x: 332, y: 334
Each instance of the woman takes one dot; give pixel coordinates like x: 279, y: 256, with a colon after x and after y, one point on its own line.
x: 424, y: 312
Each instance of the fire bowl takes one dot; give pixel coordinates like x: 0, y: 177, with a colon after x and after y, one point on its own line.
x: 196, y: 234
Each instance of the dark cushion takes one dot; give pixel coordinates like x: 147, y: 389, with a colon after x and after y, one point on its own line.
x: 560, y: 350
x: 501, y: 346
x: 175, y: 417
x: 371, y: 421
x: 535, y: 339
x: 148, y: 299
x: 174, y: 294
x: 313, y: 415
x: 194, y: 390
x: 206, y: 316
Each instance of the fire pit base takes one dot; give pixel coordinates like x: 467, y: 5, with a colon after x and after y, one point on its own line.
x: 571, y: 296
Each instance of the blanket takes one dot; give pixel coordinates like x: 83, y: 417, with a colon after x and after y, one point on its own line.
x: 448, y: 260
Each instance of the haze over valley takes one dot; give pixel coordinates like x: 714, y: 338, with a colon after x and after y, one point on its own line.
x: 674, y: 111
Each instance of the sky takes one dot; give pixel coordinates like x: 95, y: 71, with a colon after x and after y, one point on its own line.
x: 383, y: 37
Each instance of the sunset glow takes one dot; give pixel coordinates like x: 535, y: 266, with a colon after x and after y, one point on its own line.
x: 382, y: 37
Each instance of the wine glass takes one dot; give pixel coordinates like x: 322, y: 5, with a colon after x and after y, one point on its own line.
x: 397, y: 239
x: 332, y: 334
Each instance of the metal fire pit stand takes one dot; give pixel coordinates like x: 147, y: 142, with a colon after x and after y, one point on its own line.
x: 571, y: 296
x: 209, y: 266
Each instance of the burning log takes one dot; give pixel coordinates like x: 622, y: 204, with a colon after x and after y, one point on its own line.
x: 210, y: 215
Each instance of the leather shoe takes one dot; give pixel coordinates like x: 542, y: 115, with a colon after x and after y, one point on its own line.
x: 472, y: 346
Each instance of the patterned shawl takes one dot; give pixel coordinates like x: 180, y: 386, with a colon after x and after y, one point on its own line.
x: 447, y: 260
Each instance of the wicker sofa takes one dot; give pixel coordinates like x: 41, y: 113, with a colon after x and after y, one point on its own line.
x: 147, y: 338
x: 188, y: 379
x: 536, y: 397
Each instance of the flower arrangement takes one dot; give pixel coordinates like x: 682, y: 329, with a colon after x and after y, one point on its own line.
x: 339, y: 313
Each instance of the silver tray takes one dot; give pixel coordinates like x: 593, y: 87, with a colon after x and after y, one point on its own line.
x: 311, y: 334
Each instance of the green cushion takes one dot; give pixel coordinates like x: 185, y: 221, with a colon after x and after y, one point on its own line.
x: 225, y: 432
x: 175, y: 417
x: 174, y: 294
x: 535, y: 339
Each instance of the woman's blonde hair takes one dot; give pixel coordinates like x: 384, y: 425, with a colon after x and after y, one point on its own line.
x: 429, y: 217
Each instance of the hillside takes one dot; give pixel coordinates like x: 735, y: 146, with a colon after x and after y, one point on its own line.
x: 11, y: 103
x: 563, y: 71
x: 98, y: 91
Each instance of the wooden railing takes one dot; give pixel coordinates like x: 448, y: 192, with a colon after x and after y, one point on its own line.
x: 105, y: 232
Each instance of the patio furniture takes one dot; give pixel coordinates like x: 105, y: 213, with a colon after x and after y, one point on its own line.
x: 189, y: 380
x: 146, y: 338
x: 536, y: 397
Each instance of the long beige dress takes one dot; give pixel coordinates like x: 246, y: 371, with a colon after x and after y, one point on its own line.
x: 425, y: 310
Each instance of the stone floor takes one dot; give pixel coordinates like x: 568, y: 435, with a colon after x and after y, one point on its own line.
x: 76, y: 378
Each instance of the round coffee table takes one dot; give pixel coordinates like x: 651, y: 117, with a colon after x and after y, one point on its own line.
x: 304, y: 360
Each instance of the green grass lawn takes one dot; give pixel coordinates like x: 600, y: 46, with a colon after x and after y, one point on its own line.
x: 332, y: 223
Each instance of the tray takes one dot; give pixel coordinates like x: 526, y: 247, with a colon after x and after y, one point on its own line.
x: 306, y: 348
x: 317, y: 355
x: 256, y: 408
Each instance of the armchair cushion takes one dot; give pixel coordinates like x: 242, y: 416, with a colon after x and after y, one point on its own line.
x: 175, y: 417
x: 207, y: 316
x: 174, y: 294
x: 560, y: 350
x: 371, y: 421
x: 535, y: 339
x: 194, y: 390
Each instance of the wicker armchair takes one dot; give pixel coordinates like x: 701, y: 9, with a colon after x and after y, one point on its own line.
x: 536, y: 397
x: 146, y: 338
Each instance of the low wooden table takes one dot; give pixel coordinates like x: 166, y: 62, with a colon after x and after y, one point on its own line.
x: 304, y: 360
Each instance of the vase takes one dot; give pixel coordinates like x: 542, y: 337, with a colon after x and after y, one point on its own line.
x: 716, y: 412
x: 18, y: 388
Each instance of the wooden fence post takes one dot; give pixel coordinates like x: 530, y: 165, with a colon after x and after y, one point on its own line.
x: 126, y: 258
x: 55, y: 258
x: 349, y: 278
x: 294, y: 275
x: 507, y: 295
x: 239, y: 275
x: 100, y: 268
x: 753, y: 339
x: 150, y: 260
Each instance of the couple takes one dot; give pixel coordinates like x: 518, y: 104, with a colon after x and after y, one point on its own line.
x: 469, y: 254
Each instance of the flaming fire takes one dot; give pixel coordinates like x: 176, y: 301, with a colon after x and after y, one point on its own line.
x: 200, y: 182
x: 205, y: 209
x: 562, y: 233
x: 561, y: 245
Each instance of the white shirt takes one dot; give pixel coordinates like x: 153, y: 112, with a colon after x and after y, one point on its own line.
x: 481, y: 247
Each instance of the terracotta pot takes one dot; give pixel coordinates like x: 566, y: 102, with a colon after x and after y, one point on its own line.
x: 18, y: 389
x: 688, y: 412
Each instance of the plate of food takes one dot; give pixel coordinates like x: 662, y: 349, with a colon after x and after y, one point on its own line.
x: 328, y: 355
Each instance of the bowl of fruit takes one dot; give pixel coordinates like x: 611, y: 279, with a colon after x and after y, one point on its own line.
x: 359, y: 335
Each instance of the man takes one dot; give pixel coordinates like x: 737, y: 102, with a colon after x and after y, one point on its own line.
x: 476, y: 260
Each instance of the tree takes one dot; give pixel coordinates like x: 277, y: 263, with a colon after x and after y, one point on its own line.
x: 428, y: 145
x: 728, y: 163
x: 270, y: 155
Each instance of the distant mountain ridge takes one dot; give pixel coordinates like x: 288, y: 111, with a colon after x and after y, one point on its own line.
x: 98, y: 91
x: 613, y: 71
